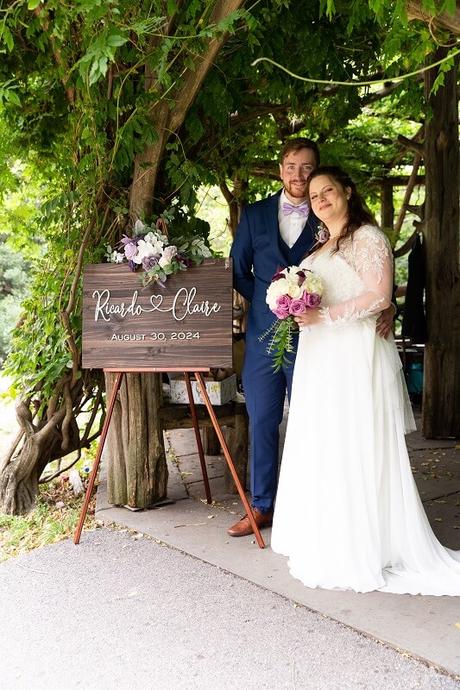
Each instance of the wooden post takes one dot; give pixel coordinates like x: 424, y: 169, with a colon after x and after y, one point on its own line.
x: 386, y: 205
x: 441, y: 395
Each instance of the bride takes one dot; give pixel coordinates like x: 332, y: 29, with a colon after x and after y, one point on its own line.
x: 348, y: 514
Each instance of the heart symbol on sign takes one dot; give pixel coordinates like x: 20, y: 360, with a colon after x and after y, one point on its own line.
x: 156, y: 301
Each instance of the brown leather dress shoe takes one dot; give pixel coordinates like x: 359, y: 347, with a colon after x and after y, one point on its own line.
x: 243, y: 528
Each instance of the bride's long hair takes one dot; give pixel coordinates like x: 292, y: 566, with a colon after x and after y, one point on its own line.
x: 358, y: 212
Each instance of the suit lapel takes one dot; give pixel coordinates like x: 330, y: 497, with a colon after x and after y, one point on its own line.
x: 273, y: 228
x: 306, y: 238
x: 271, y: 217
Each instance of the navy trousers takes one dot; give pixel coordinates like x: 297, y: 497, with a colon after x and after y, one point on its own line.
x: 265, y: 393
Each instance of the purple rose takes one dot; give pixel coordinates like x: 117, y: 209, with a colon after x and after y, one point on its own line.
x: 149, y: 262
x: 297, y: 307
x: 283, y: 304
x: 280, y: 314
x: 312, y: 299
x: 130, y: 250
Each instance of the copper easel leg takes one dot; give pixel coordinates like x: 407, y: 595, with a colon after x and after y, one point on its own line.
x: 199, y: 443
x: 92, y: 479
x: 229, y: 460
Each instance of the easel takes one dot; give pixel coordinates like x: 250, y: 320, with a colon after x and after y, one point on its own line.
x: 198, y: 375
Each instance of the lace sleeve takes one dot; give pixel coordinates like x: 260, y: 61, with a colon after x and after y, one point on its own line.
x: 369, y: 254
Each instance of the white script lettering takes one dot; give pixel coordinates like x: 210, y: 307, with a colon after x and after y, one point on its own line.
x: 105, y: 309
x: 183, y: 305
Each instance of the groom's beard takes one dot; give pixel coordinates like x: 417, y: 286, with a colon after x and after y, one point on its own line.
x: 296, y: 189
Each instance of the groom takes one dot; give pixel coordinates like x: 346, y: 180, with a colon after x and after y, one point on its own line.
x: 272, y: 234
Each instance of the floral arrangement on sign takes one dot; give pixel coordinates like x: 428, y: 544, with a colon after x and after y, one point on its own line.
x: 291, y: 292
x: 149, y: 249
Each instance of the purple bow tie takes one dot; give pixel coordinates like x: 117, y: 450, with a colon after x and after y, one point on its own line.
x: 301, y: 209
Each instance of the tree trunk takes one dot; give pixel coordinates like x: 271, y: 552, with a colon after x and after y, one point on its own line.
x: 146, y: 169
x: 235, y: 199
x: 19, y: 485
x: 441, y: 398
x: 19, y: 479
x: 52, y: 437
x: 137, y: 472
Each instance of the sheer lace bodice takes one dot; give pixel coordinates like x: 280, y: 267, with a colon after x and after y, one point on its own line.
x: 358, y: 278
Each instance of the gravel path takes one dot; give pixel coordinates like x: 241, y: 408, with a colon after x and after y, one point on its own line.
x: 122, y: 611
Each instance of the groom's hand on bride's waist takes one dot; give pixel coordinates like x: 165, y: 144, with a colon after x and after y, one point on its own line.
x: 385, y: 321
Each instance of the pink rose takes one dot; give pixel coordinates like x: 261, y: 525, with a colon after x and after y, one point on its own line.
x: 283, y: 304
x: 281, y: 314
x: 297, y: 307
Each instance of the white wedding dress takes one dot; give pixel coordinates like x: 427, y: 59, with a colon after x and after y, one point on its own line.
x: 348, y: 514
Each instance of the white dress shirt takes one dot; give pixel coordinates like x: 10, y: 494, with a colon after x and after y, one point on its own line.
x: 290, y: 226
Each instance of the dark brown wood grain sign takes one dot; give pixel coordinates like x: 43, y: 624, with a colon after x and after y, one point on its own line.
x: 187, y: 324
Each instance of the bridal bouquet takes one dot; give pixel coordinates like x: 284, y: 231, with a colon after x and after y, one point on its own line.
x: 150, y: 250
x: 291, y: 292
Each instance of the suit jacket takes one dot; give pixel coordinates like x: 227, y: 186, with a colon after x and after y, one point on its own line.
x: 257, y: 252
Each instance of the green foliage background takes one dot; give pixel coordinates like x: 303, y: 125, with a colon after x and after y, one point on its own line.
x: 74, y: 113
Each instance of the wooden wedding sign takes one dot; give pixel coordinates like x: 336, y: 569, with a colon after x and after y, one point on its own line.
x: 187, y: 324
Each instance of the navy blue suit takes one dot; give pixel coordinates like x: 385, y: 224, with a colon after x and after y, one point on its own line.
x: 258, y: 251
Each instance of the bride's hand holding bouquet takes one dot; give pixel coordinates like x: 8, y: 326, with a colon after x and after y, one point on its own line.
x: 293, y: 296
x: 308, y: 318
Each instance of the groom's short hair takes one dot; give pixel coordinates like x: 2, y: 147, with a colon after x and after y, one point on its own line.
x: 298, y: 143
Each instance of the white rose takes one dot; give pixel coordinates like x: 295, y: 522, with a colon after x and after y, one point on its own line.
x: 294, y: 291
x: 292, y: 274
x: 170, y: 252
x: 168, y: 255
x: 163, y: 261
x: 275, y: 290
x: 313, y: 283
x: 144, y: 250
x: 157, y: 244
